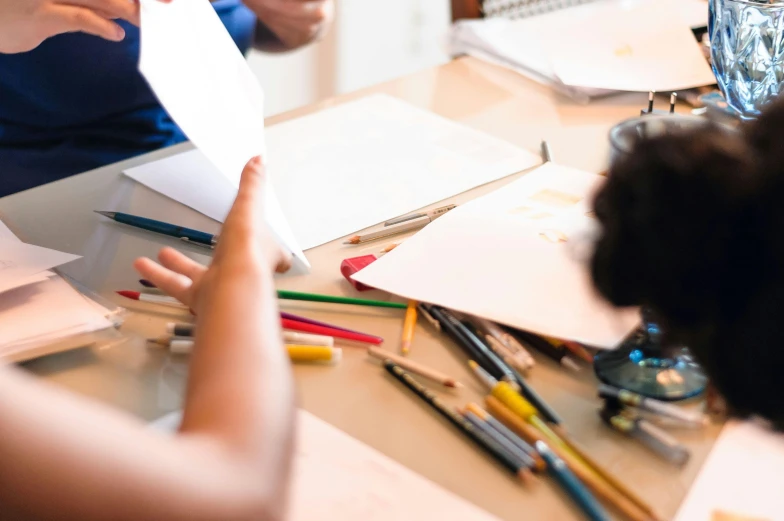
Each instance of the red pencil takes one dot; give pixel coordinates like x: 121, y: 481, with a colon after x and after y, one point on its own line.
x: 305, y: 327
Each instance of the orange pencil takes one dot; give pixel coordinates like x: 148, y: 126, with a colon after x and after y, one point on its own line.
x: 408, y: 326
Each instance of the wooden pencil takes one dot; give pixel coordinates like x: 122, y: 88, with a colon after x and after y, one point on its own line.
x: 414, y: 367
x: 601, y: 488
x: 409, y: 324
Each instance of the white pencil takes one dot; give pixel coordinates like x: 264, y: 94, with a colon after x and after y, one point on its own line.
x: 410, y: 365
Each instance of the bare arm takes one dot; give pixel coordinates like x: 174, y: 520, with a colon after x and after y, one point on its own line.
x: 67, y: 458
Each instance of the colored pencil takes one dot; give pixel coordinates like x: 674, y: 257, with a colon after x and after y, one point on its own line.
x: 526, y: 447
x: 571, y: 484
x: 313, y: 297
x: 306, y: 320
x: 415, y: 367
x: 409, y: 325
x: 597, y: 485
x: 511, y: 463
x: 502, y: 440
x: 305, y: 327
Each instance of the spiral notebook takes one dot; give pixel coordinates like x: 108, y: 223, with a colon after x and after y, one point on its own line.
x: 525, y: 8
x: 589, y: 48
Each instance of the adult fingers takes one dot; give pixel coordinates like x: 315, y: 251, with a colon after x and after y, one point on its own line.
x: 312, y: 11
x: 68, y: 18
x: 168, y: 281
x: 112, y: 8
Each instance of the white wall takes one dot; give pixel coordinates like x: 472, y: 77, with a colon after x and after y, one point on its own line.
x: 372, y: 41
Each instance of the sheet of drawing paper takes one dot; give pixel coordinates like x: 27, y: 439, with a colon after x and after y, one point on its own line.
x: 352, y: 166
x: 204, y: 83
x: 741, y: 479
x: 518, y: 256
x: 633, y: 45
x: 338, y: 478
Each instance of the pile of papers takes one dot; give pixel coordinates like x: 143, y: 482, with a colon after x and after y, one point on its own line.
x: 517, y: 256
x: 597, y: 48
x: 337, y: 477
x: 38, y: 307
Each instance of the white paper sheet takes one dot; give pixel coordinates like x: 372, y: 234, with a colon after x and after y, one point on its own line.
x: 353, y: 166
x: 629, y: 45
x: 204, y: 83
x: 488, y: 258
x: 337, y: 478
x: 742, y: 477
x: 22, y: 264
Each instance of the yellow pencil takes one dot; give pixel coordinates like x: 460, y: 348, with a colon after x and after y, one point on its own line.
x: 408, y: 326
x: 314, y: 353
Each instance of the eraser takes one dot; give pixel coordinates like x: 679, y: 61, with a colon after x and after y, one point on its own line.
x: 351, y: 266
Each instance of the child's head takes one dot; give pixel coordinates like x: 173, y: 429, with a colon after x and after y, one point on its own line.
x: 692, y: 226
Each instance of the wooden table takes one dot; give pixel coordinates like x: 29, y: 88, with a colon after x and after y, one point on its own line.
x: 356, y: 396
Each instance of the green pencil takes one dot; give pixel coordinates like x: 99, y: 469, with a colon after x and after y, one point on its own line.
x: 312, y: 297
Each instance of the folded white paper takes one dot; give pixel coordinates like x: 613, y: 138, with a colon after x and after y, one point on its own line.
x: 501, y: 257
x: 204, y: 83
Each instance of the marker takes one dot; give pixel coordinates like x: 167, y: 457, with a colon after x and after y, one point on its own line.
x: 625, y: 421
x: 155, y: 299
x: 673, y: 100
x: 297, y: 353
x: 177, y: 329
x: 655, y: 406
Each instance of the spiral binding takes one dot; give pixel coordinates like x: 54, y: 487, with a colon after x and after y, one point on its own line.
x: 525, y: 8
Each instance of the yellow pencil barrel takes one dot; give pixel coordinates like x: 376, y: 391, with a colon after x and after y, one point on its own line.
x: 299, y: 353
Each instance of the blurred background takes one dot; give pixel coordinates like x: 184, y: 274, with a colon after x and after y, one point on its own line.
x: 371, y: 41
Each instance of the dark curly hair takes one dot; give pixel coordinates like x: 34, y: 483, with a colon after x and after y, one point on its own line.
x: 689, y: 227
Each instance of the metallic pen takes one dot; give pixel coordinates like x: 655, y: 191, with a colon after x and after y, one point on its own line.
x: 164, y: 228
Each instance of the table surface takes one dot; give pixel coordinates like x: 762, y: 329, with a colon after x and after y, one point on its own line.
x: 356, y: 396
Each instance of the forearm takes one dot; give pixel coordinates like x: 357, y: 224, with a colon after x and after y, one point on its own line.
x: 240, y: 387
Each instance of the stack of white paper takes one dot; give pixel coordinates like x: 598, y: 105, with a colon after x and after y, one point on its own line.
x: 349, y: 167
x: 596, y: 48
x: 517, y: 256
x: 741, y: 479
x: 337, y: 478
x: 36, y: 306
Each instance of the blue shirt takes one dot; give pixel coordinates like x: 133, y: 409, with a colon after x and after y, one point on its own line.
x: 78, y: 102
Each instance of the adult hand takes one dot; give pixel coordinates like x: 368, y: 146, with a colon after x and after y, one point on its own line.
x: 294, y: 22
x: 246, y: 247
x: 24, y: 24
